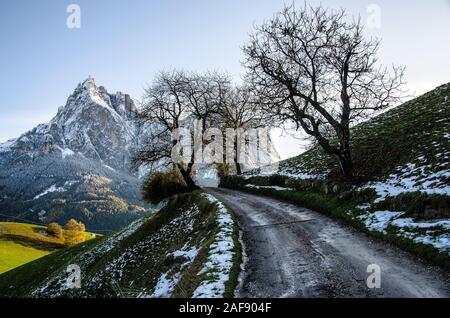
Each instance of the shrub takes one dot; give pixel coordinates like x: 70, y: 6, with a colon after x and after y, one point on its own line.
x: 161, y: 185
x: 55, y: 230
x: 232, y: 182
x: 223, y: 170
x: 74, y: 232
x: 358, y: 196
x: 73, y: 225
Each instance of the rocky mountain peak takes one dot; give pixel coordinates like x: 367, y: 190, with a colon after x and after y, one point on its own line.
x: 93, y: 123
x: 78, y: 164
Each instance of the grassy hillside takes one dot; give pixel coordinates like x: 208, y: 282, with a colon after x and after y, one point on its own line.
x: 189, y: 248
x: 420, y: 127
x: 21, y: 243
x: 402, y: 187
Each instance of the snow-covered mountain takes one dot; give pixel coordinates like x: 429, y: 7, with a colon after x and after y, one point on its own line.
x: 93, y: 123
x: 77, y: 165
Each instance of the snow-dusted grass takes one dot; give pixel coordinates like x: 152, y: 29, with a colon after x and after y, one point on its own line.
x: 417, y: 176
x: 220, y: 257
x: 285, y: 172
x: 413, y: 177
x: 409, y: 222
x: 267, y: 187
x: 189, y: 248
x: 379, y: 220
x: 167, y: 281
x: 434, y: 233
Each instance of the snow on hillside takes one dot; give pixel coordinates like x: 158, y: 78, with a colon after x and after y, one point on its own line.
x: 53, y: 188
x: 414, y: 177
x: 189, y: 245
x: 278, y: 188
x: 56, y: 285
x: 287, y: 169
x: 6, y: 146
x: 217, y: 266
x: 167, y: 282
x: 433, y: 233
x: 66, y: 152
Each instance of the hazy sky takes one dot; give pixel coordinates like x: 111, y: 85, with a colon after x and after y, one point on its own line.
x: 122, y: 44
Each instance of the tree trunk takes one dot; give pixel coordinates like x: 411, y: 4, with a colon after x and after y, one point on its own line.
x: 186, y: 174
x: 236, y: 158
x: 238, y: 168
x: 345, y: 161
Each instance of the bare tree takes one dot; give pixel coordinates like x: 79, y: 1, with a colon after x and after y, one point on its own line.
x: 164, y: 108
x: 173, y: 101
x: 313, y: 67
x: 205, y: 95
x: 240, y: 110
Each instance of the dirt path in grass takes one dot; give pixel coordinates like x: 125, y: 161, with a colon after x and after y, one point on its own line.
x: 295, y: 252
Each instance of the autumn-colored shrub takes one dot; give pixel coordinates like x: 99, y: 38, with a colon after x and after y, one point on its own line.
x: 74, y: 232
x: 55, y: 230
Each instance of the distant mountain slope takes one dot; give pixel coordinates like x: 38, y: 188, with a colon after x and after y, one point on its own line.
x: 77, y: 165
x: 188, y: 249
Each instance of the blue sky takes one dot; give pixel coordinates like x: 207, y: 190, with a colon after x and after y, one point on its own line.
x: 122, y: 44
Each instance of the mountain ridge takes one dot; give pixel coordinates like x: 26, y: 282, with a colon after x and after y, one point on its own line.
x: 76, y: 165
x: 90, y: 116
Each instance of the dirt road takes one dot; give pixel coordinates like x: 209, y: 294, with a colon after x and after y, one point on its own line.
x: 295, y: 252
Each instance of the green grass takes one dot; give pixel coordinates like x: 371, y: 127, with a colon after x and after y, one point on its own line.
x: 21, y: 243
x: 13, y: 255
x: 20, y: 281
x: 381, y: 144
x: 134, y: 264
